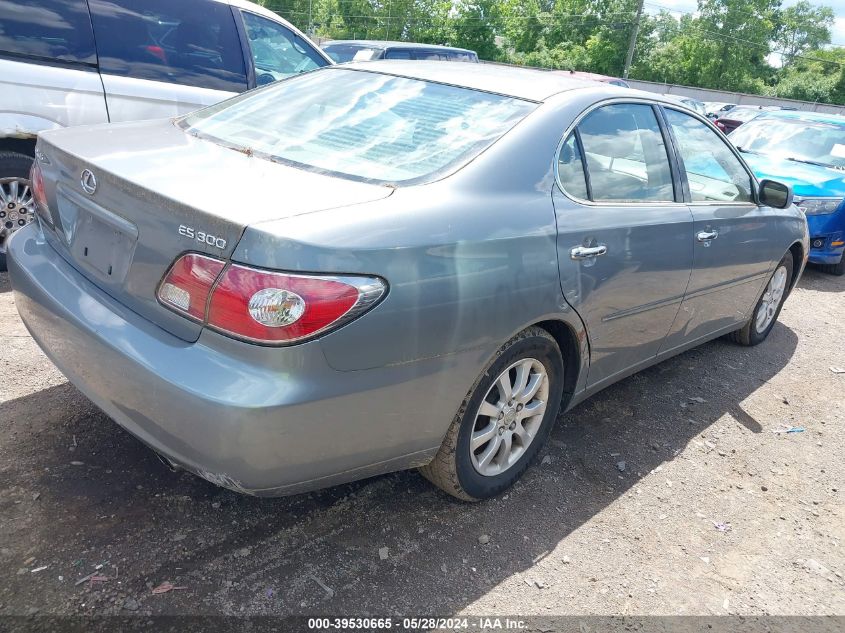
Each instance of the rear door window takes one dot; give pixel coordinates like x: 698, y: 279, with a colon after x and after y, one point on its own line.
x: 189, y: 42
x: 626, y: 155
x: 278, y: 52
x: 57, y: 30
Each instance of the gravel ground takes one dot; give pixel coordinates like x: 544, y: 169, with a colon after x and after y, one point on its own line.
x: 714, y: 511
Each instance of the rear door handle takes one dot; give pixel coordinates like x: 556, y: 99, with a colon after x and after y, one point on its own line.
x: 584, y: 252
x: 706, y: 236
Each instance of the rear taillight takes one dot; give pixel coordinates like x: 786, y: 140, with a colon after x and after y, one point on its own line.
x: 188, y: 283
x: 36, y: 179
x: 265, y: 306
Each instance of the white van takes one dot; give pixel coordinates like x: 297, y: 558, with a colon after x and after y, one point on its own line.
x: 74, y: 62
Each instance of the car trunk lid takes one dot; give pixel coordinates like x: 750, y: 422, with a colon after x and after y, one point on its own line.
x: 126, y: 200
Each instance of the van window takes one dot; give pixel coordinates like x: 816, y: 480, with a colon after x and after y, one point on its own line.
x: 49, y: 29
x: 189, y: 42
x: 397, y: 53
x: 277, y: 52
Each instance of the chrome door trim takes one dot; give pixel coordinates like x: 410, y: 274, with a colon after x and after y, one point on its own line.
x: 585, y: 252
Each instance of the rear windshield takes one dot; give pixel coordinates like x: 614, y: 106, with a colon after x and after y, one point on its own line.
x: 363, y: 125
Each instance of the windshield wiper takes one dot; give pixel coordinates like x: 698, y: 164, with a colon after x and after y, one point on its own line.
x: 745, y: 150
x: 807, y: 161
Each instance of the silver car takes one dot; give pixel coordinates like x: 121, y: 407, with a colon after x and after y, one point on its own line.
x: 376, y: 267
x: 76, y: 62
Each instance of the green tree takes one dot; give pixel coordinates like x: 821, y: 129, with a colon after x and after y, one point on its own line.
x: 803, y: 27
x: 817, y: 76
x: 475, y: 26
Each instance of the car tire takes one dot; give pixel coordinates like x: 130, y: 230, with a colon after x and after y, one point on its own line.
x: 768, y: 307
x: 835, y: 269
x: 12, y: 165
x: 461, y: 470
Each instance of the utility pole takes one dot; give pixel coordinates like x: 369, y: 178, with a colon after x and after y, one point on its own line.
x: 633, y: 43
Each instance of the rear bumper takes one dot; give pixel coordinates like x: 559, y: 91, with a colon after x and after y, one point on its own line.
x: 264, y: 421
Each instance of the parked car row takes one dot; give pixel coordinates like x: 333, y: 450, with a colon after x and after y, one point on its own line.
x: 692, y: 104
x: 715, y: 109
x: 342, y: 51
x: 731, y: 119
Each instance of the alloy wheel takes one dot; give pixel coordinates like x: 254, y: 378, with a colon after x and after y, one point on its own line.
x: 509, y: 417
x: 771, y: 300
x: 17, y: 207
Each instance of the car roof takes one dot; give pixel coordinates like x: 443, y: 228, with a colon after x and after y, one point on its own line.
x: 579, y: 74
x: 818, y: 117
x: 524, y: 83
x: 254, y: 8
x: 381, y: 45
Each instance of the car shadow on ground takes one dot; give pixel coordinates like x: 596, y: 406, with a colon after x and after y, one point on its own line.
x: 5, y: 284
x: 814, y: 279
x: 103, y: 497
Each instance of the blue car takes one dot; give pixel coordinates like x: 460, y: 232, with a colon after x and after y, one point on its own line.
x: 807, y: 151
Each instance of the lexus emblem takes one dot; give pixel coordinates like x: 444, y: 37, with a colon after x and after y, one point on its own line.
x: 88, y: 182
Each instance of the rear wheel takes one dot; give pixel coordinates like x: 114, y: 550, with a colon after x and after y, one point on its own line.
x: 835, y: 269
x: 17, y: 206
x: 504, y: 420
x: 766, y: 312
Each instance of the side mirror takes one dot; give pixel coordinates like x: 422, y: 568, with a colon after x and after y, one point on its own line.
x: 775, y: 194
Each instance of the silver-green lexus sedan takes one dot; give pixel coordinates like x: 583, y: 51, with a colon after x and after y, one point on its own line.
x: 384, y: 266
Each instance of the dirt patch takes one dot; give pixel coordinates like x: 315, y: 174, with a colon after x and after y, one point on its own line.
x: 716, y: 509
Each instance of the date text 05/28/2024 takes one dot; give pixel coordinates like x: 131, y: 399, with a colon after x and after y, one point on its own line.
x: 418, y: 624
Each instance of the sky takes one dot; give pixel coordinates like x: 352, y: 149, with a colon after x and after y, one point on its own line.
x: 689, y: 6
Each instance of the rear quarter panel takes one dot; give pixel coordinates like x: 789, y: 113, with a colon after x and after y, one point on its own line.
x: 464, y: 271
x: 470, y: 260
